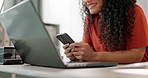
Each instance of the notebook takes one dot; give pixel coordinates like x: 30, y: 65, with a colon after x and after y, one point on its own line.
x: 32, y: 41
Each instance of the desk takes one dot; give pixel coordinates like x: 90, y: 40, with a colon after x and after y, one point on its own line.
x: 28, y: 71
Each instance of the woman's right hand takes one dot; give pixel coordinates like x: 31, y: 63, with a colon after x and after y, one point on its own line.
x: 68, y: 52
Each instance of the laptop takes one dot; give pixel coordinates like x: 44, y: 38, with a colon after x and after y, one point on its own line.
x: 33, y: 42
x: 1, y: 4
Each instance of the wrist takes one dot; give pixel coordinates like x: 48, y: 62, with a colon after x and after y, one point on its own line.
x: 96, y: 56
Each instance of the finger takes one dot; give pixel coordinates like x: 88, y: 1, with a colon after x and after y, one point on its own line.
x: 77, y: 53
x: 66, y: 46
x: 77, y: 44
x: 76, y: 49
x: 67, y: 50
x: 69, y: 54
x: 79, y: 57
x: 73, y: 45
x: 72, y: 58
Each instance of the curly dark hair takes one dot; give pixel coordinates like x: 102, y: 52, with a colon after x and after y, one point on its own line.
x: 116, y: 25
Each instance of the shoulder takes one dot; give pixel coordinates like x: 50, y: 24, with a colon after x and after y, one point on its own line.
x: 137, y: 7
x: 140, y: 30
x: 138, y: 10
x: 140, y: 17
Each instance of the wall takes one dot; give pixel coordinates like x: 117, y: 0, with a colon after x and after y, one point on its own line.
x: 144, y: 5
x: 66, y: 14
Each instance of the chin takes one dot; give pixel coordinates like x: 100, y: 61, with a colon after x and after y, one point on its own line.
x: 94, y: 12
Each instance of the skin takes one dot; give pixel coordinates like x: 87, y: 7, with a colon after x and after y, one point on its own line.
x: 82, y: 51
x: 94, y: 6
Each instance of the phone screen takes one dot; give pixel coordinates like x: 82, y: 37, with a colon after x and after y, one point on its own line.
x: 65, y: 38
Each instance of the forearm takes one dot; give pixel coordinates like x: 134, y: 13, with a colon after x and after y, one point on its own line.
x: 127, y: 56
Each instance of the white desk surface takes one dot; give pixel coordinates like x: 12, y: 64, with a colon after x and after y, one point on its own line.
x: 42, y: 72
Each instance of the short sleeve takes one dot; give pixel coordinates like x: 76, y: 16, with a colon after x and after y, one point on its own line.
x: 140, y: 30
x: 86, y: 37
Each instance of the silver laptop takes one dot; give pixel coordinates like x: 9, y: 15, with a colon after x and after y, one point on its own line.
x: 1, y: 5
x: 32, y: 41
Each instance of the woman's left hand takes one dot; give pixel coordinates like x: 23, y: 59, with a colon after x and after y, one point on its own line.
x: 83, y: 51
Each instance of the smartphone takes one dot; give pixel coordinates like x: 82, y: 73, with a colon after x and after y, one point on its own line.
x: 64, y: 38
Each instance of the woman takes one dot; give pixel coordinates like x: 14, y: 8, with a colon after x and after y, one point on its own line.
x: 114, y: 31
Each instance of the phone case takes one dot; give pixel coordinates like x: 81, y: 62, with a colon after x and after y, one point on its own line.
x: 65, y: 38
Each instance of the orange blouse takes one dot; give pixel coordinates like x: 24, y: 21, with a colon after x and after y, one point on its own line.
x: 138, y: 40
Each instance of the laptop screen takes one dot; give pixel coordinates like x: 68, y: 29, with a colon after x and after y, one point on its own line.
x: 29, y: 36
